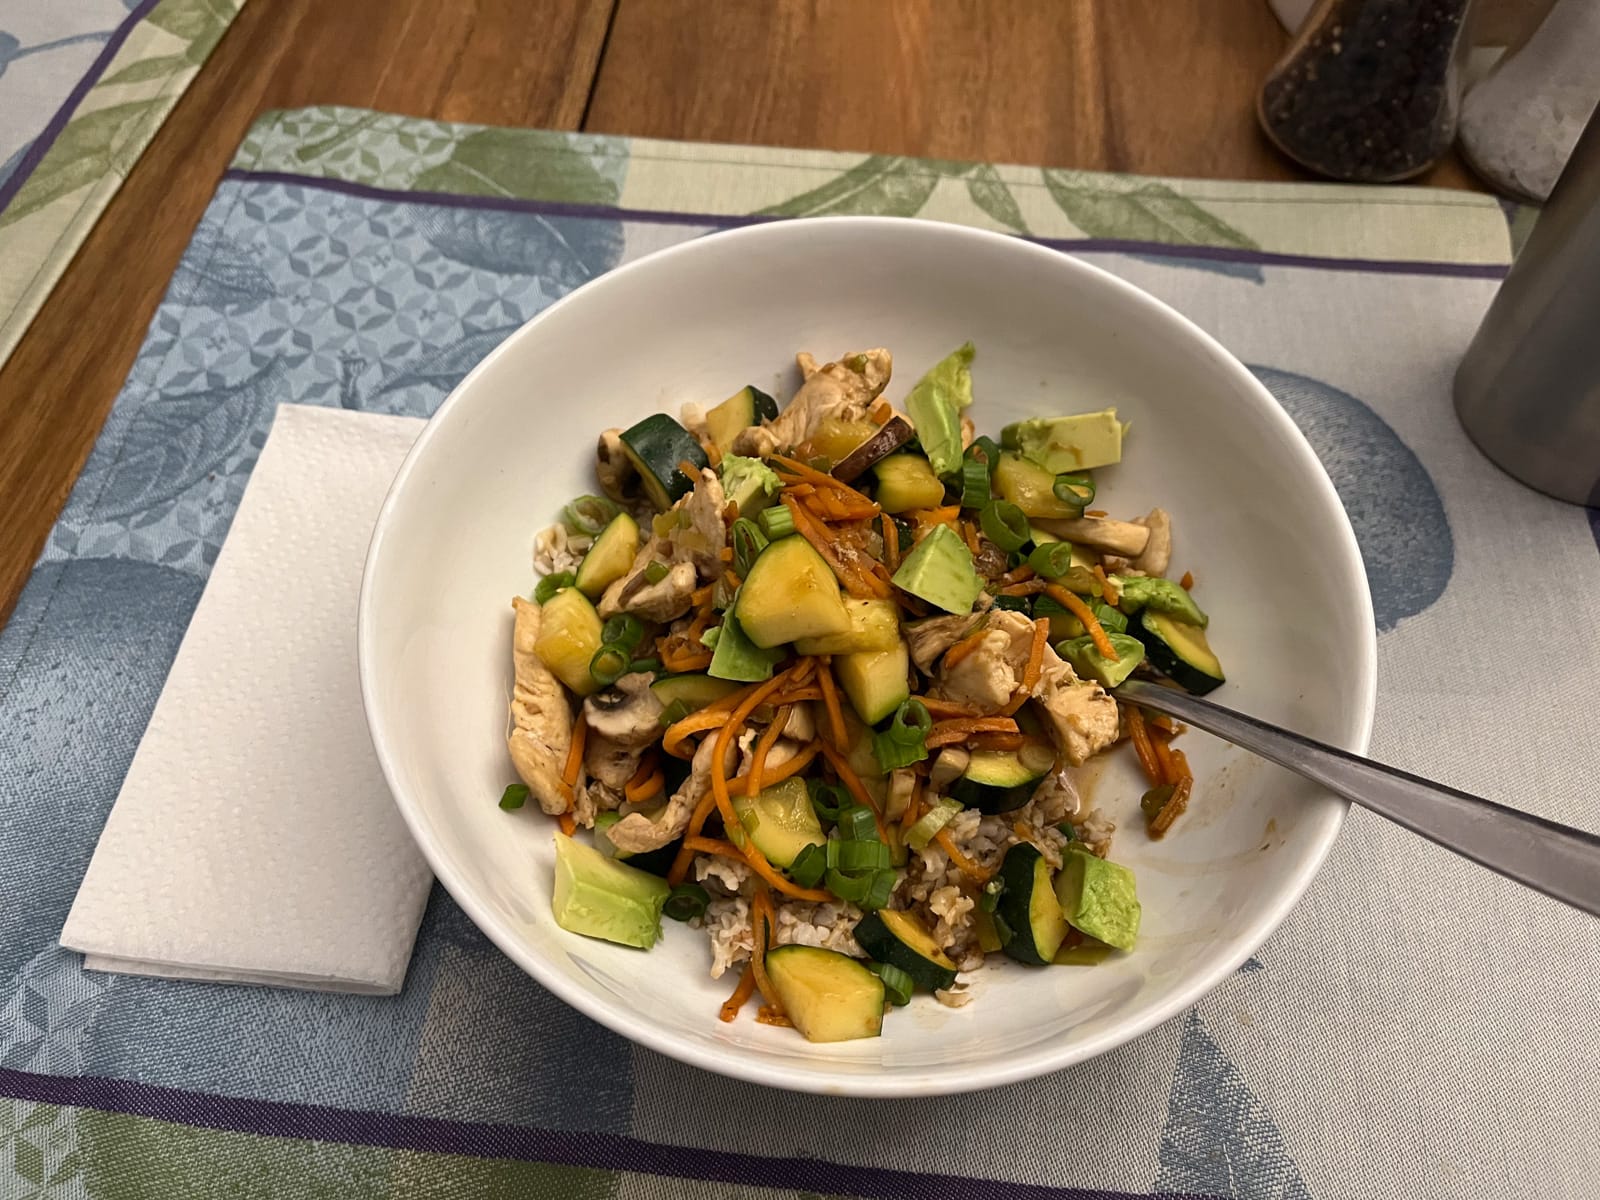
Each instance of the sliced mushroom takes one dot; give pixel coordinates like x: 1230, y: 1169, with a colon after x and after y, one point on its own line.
x: 660, y: 602
x: 608, y: 762
x: 902, y: 785
x: 627, y: 714
x: 891, y: 435
x: 541, y: 719
x: 593, y: 796
x: 1117, y: 537
x: 640, y: 832
x: 619, y: 478
x: 1157, y: 556
x: 931, y: 637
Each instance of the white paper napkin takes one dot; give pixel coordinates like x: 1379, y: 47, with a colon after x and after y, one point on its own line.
x: 254, y: 839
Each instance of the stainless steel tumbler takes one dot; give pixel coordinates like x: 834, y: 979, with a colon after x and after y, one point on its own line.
x: 1528, y: 389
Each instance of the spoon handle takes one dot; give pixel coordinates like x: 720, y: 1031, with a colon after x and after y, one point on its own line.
x: 1558, y: 860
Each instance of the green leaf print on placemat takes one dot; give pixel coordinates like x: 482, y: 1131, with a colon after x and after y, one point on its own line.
x: 1140, y: 211
x: 528, y: 164
x: 104, y: 142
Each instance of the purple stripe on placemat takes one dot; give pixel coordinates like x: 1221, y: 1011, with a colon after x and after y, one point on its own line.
x: 48, y: 135
x: 597, y: 1151
x: 554, y: 208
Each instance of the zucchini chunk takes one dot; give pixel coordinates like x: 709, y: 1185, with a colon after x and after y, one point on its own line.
x: 1179, y: 651
x: 610, y: 557
x: 790, y: 593
x: 655, y: 447
x: 829, y: 996
x: 1028, y: 907
x: 746, y: 407
x: 899, y: 939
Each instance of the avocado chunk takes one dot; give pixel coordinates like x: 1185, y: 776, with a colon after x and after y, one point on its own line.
x: 749, y: 483
x: 940, y: 571
x: 734, y: 656
x: 602, y: 898
x: 1098, y: 897
x: 1159, y: 595
x: 790, y: 593
x: 1088, y: 663
x: 875, y: 680
x: 1080, y: 442
x: 935, y: 406
x: 829, y: 996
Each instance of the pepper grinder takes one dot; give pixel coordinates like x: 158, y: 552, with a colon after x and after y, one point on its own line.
x: 1528, y: 389
x: 1369, y: 90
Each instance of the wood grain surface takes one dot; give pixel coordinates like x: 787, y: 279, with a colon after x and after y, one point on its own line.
x: 1151, y: 86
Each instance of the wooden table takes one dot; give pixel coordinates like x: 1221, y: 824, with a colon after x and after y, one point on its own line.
x: 1053, y: 82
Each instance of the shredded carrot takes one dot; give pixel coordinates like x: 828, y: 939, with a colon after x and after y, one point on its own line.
x: 1187, y: 582
x: 742, y: 993
x: 970, y: 535
x: 957, y: 730
x: 675, y: 656
x: 819, y: 478
x: 653, y: 785
x: 1023, y: 832
x: 1028, y: 587
x: 933, y: 516
x: 797, y: 696
x: 757, y: 862
x: 726, y: 554
x: 649, y: 761
x: 1021, y: 575
x: 1173, y: 808
x: 690, y: 471
x: 1134, y: 716
x: 713, y: 455
x: 1097, y: 512
x: 854, y: 786
x: 762, y: 920
x: 777, y: 774
x: 964, y: 647
x: 568, y: 825
x: 758, y: 761
x: 891, y: 543
x: 1030, y: 673
x: 701, y: 596
x: 1079, y: 609
x: 880, y: 412
x: 834, y: 507
x: 1164, y: 762
x: 709, y: 717
x: 962, y: 863
x: 914, y: 809
x: 997, y: 741
x: 580, y: 735
x: 938, y: 708
x: 830, y: 701
x: 730, y: 512
x: 1112, y: 593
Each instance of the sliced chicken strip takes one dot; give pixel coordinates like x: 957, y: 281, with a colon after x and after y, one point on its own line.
x: 592, y: 797
x: 839, y: 389
x: 988, y: 676
x: 638, y: 832
x: 1081, y: 715
x: 541, y: 718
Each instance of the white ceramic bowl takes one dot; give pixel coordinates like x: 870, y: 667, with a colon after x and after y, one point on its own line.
x: 1255, y: 518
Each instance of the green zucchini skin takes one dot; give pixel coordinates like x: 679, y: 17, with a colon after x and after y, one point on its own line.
x: 655, y: 446
x: 1179, y: 651
x: 898, y: 938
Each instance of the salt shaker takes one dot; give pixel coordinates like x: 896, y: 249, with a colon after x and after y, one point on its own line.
x: 1369, y: 90
x: 1528, y: 389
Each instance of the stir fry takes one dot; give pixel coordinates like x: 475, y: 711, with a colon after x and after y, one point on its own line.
x: 817, y: 681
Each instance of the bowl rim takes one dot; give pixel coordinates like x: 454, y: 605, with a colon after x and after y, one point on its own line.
x: 923, y: 1080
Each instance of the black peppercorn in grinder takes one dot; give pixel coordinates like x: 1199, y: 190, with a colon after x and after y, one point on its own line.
x: 1369, y: 90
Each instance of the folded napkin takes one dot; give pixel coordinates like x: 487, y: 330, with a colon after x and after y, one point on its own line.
x: 254, y: 839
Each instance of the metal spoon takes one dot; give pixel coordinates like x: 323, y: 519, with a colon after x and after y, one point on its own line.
x: 1558, y: 860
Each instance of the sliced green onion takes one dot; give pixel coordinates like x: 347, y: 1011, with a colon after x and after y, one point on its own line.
x: 830, y: 854
x: 828, y: 799
x: 652, y: 665
x: 1005, y: 525
x: 608, y: 664
x: 880, y: 888
x: 1068, y: 831
x: 589, y: 514
x: 776, y: 522
x: 893, y: 755
x: 514, y: 797
x: 1074, y: 489
x: 974, y: 483
x: 747, y: 542
x: 655, y: 571
x: 931, y: 822
x: 625, y: 630
x: 905, y: 740
x: 1014, y: 604
x: 1003, y: 930
x: 987, y: 447
x: 851, y: 888
x: 897, y: 985
x: 863, y: 856
x: 685, y: 902
x: 1153, y: 801
x: 857, y: 823
x: 1052, y: 560
x: 809, y: 866
x: 547, y: 587
x: 990, y: 896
